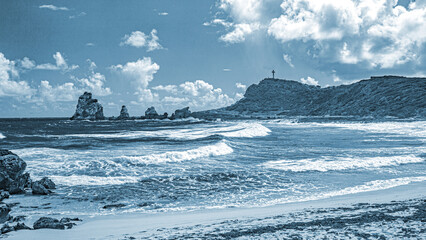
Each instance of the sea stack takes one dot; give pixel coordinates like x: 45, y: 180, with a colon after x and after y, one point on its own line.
x: 150, y: 113
x: 88, y: 108
x: 181, y: 113
x: 124, y: 114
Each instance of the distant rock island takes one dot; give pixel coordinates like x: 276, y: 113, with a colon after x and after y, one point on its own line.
x: 383, y: 96
x: 377, y: 97
x: 88, y: 108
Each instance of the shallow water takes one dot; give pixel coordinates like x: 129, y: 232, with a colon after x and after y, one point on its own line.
x: 162, y: 166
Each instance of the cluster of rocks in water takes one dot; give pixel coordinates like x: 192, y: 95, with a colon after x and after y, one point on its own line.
x: 14, y: 180
x: 90, y: 109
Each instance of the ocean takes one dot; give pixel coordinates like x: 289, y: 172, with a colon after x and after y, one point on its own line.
x: 156, y: 166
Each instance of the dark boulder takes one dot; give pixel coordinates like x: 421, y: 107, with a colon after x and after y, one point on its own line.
x: 4, y: 195
x: 47, y: 183
x: 39, y: 189
x: 48, y: 222
x: 12, y: 177
x: 4, y: 212
x: 88, y: 108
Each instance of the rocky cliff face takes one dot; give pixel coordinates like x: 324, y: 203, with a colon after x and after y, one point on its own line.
x: 181, y: 113
x: 124, y: 114
x: 88, y: 108
x: 378, y: 97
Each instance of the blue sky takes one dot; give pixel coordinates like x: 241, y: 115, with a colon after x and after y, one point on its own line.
x: 202, y: 54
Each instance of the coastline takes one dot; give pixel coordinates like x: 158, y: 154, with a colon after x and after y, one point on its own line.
x: 149, y: 225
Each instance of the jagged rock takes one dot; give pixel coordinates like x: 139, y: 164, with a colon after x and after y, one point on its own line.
x: 39, y: 189
x: 181, y: 113
x: 12, y: 177
x: 6, y: 228
x: 118, y: 205
x: 4, y: 212
x: 48, y: 222
x: 21, y: 226
x: 124, y: 114
x: 88, y: 108
x: 4, y: 195
x: 47, y: 183
x: 376, y: 97
x: 150, y: 113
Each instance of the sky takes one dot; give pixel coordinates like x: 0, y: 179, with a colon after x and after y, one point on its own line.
x: 203, y: 54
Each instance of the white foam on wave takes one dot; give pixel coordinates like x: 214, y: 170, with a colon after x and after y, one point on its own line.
x: 366, y: 187
x: 242, y: 130
x: 2, y: 136
x: 412, y: 129
x: 341, y: 163
x: 75, y: 180
x: 217, y: 149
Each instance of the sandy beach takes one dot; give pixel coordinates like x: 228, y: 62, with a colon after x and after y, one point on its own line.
x: 368, y: 211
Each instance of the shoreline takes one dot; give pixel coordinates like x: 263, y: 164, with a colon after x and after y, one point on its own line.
x: 134, y: 224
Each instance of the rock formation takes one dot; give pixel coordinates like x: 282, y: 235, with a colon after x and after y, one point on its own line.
x: 12, y: 176
x: 52, y: 223
x: 43, y: 186
x: 181, y: 113
x: 88, y: 108
x: 395, y: 96
x: 150, y: 113
x: 124, y: 114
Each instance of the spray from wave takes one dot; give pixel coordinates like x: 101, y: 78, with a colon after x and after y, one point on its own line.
x: 2, y: 136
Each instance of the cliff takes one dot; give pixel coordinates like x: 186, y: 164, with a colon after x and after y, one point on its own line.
x: 395, y: 96
x: 88, y: 108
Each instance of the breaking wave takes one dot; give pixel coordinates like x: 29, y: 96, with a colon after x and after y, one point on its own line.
x: 341, y: 163
x: 241, y: 130
x: 75, y: 180
x: 217, y: 149
x: 367, y: 187
x: 2, y: 136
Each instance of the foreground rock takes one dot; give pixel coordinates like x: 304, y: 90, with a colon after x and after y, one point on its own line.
x: 53, y: 223
x: 4, y: 212
x: 43, y: 186
x: 124, y: 113
x: 19, y: 226
x: 181, y: 113
x: 12, y: 176
x: 395, y: 96
x: 88, y: 108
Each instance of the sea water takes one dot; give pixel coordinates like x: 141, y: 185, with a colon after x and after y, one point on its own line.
x: 154, y: 166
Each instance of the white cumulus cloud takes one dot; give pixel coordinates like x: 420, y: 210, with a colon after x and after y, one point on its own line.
x: 139, y: 39
x: 8, y: 86
x: 140, y: 73
x: 309, y: 81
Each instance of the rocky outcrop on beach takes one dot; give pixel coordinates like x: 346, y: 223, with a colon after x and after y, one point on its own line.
x: 13, y: 180
x: 124, y: 113
x: 394, y: 96
x: 12, y: 176
x: 88, y: 108
x: 53, y: 223
x: 181, y: 113
x: 43, y: 186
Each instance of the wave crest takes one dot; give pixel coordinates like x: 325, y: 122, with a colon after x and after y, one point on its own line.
x: 341, y: 163
x: 218, y: 149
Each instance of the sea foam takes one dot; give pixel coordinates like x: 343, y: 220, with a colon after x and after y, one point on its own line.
x: 217, y: 149
x: 241, y: 130
x: 2, y: 136
x: 75, y: 180
x: 341, y: 163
